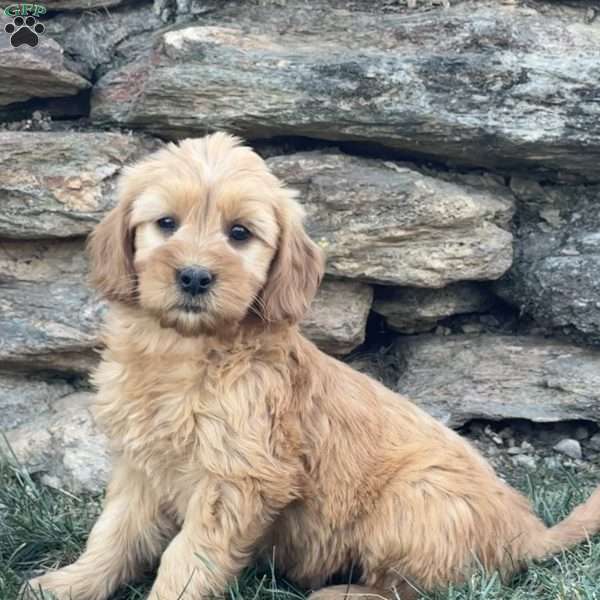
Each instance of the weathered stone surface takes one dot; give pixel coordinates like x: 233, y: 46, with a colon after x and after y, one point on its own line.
x: 38, y: 72
x: 24, y: 398
x: 80, y: 4
x: 383, y: 223
x: 338, y: 316
x: 48, y: 316
x: 42, y: 261
x: 411, y: 310
x: 555, y: 274
x: 481, y: 83
x: 459, y: 378
x: 52, y: 325
x: 99, y: 39
x: 60, y: 184
x: 64, y: 446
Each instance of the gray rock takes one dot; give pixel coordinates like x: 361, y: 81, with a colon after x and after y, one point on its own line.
x: 102, y: 38
x: 64, y: 447
x: 412, y: 310
x: 80, y: 4
x: 23, y: 398
x: 468, y: 84
x: 42, y: 261
x: 459, y: 378
x: 557, y: 259
x: 50, y: 326
x: 570, y: 448
x: 338, y: 316
x: 39, y: 72
x: 383, y: 223
x: 522, y: 460
x: 48, y: 316
x: 66, y: 180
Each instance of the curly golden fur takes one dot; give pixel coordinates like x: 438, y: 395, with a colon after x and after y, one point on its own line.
x: 237, y: 440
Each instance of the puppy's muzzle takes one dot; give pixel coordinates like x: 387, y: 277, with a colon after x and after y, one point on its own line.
x: 194, y: 281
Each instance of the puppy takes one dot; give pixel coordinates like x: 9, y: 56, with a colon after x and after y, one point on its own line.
x: 237, y: 440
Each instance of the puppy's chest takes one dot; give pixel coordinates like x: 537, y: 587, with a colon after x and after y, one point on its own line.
x: 172, y: 419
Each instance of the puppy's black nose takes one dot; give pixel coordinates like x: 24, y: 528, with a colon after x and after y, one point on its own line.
x: 194, y: 280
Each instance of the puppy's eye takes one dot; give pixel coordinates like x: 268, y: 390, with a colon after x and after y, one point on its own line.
x: 167, y: 224
x: 239, y: 233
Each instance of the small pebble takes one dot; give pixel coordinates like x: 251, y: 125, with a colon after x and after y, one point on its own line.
x: 525, y: 461
x: 514, y: 450
x: 581, y: 433
x: 526, y: 446
x: 472, y: 328
x: 569, y: 447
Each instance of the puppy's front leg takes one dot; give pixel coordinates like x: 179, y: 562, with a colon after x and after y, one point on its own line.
x: 130, y: 532
x: 223, y: 522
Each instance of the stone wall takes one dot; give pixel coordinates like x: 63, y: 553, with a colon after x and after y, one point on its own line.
x: 447, y: 157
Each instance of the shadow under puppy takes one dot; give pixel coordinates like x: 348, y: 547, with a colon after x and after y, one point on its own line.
x: 237, y: 440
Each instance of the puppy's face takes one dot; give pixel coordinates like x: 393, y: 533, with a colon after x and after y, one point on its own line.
x: 204, y: 238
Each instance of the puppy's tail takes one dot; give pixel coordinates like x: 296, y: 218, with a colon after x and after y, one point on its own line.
x: 581, y: 524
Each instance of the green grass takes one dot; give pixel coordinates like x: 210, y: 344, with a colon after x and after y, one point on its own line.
x: 42, y: 528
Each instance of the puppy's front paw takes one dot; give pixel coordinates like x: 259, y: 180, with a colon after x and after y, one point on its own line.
x: 51, y: 586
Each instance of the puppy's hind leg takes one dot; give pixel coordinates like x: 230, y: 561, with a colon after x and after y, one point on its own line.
x: 129, y: 533
x: 361, y: 592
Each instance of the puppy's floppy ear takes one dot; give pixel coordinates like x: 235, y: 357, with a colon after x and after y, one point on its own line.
x: 110, y: 248
x: 296, y: 270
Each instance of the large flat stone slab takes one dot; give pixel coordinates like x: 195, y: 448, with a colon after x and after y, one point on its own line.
x: 39, y: 72
x: 49, y: 318
x: 65, y: 181
x: 459, y: 378
x: 385, y: 223
x: 508, y: 85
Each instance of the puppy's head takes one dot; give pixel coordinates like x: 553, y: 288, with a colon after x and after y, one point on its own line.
x: 204, y: 237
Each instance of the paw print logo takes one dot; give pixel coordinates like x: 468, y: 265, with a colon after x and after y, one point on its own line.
x: 24, y: 31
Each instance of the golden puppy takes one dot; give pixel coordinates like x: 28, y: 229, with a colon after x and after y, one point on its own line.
x: 237, y: 440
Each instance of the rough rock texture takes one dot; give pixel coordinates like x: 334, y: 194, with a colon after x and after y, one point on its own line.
x: 384, y: 223
x: 51, y: 326
x: 338, y: 316
x: 80, y: 4
x: 555, y: 274
x: 483, y: 83
x: 66, y: 180
x: 411, y: 310
x: 48, y: 316
x: 102, y: 39
x: 64, y: 447
x: 39, y: 72
x: 23, y: 398
x: 459, y: 378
